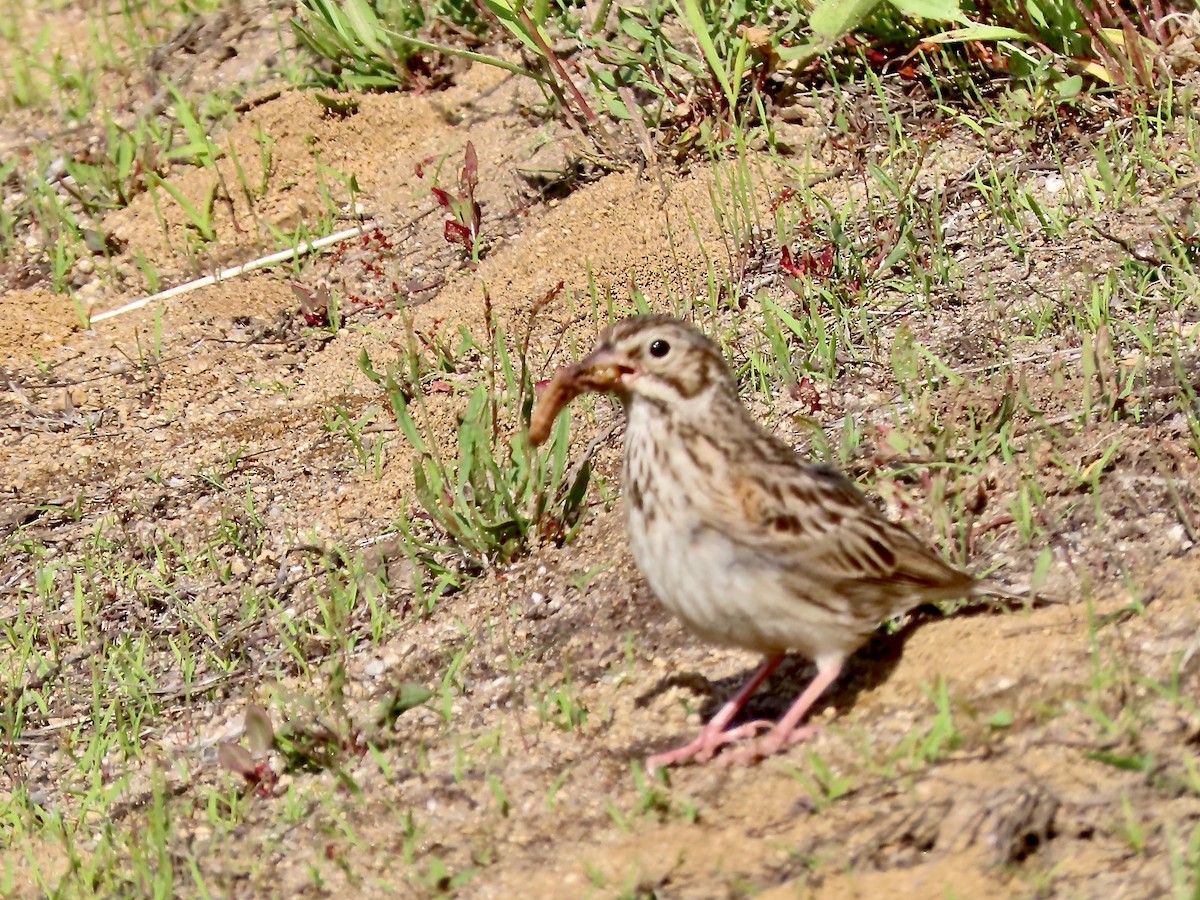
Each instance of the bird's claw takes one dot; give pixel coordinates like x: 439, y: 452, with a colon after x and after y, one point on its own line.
x: 758, y: 750
x: 705, y: 746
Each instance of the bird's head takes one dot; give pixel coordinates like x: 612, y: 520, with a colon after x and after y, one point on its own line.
x: 656, y: 358
x: 659, y: 360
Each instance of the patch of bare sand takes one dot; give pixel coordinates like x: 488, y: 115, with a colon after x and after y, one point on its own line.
x: 990, y: 822
x: 946, y: 877
x: 218, y: 355
x: 284, y: 153
x: 34, y: 324
x: 622, y: 229
x: 24, y: 879
x: 233, y: 380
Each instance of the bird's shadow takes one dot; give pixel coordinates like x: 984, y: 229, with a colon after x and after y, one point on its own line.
x: 869, y: 667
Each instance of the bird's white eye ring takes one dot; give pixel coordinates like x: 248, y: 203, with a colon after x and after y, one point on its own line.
x: 659, y: 348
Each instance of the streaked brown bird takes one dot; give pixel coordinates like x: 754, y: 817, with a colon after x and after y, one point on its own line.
x: 740, y: 537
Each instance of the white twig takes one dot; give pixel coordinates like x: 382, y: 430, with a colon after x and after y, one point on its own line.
x: 282, y: 256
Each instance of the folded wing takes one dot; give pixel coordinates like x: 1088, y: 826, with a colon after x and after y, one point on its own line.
x: 816, y: 523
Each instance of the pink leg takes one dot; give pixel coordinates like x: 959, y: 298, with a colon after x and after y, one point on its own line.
x: 786, y: 731
x: 714, y: 735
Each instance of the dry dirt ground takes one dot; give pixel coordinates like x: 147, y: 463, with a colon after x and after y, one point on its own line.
x: 159, y: 471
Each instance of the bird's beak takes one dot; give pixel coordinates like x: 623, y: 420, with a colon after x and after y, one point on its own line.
x: 603, y: 371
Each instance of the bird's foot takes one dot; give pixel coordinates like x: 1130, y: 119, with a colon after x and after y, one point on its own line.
x: 705, y: 746
x: 760, y: 749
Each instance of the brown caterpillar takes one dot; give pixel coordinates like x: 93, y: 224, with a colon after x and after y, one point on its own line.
x: 564, y: 387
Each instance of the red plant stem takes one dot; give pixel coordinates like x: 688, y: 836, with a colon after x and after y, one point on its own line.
x: 557, y: 66
x: 1147, y: 26
x: 639, y: 126
x: 1142, y: 67
x: 595, y: 126
x: 1162, y: 28
x: 1099, y: 42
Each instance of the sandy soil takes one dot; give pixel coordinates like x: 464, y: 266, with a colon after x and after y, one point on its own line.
x: 117, y: 430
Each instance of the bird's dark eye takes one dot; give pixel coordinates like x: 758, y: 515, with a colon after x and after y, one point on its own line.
x: 659, y: 348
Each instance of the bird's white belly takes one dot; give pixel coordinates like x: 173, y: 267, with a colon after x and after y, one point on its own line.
x: 726, y: 596
x: 722, y: 591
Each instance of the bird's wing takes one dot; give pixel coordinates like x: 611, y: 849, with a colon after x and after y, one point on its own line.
x: 815, y: 521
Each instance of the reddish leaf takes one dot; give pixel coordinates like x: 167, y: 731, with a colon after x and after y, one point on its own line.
x: 457, y: 234
x: 237, y: 759
x: 470, y: 172
x: 788, y: 264
x: 260, y: 734
x: 314, y: 304
x: 443, y: 198
x: 422, y: 164
x: 806, y: 392
x: 784, y: 196
x: 824, y: 262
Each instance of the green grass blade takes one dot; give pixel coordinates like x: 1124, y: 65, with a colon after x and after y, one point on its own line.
x: 694, y: 17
